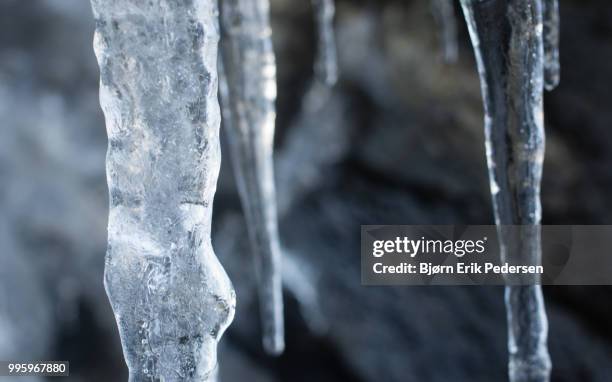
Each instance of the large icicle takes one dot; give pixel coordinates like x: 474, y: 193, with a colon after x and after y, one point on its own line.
x: 507, y: 39
x: 444, y: 15
x: 326, y: 61
x: 249, y: 120
x: 158, y: 90
x: 552, y: 70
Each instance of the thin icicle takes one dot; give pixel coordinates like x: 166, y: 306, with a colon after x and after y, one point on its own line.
x: 249, y: 115
x: 552, y: 69
x: 326, y: 61
x: 323, y: 117
x: 158, y: 90
x: 444, y: 15
x: 507, y: 39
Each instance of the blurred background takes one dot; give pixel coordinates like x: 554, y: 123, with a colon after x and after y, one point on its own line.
x: 399, y: 140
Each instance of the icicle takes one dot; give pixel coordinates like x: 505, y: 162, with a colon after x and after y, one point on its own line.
x: 326, y: 65
x: 551, y: 44
x: 444, y: 15
x: 322, y: 118
x: 507, y: 39
x: 249, y: 118
x: 158, y: 90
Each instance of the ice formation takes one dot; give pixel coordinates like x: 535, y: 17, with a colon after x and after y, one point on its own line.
x: 444, y: 15
x: 507, y: 39
x: 321, y: 120
x: 326, y: 65
x: 323, y: 117
x: 551, y: 44
x: 248, y: 93
x: 158, y: 90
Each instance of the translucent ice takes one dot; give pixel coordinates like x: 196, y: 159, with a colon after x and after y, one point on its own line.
x: 248, y: 93
x: 552, y: 70
x: 444, y: 15
x: 326, y: 65
x: 507, y: 39
x: 322, y: 119
x: 158, y: 90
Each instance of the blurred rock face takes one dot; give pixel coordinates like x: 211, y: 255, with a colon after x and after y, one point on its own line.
x: 398, y: 141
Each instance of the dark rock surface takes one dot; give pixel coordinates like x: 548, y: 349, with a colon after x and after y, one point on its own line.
x: 398, y: 141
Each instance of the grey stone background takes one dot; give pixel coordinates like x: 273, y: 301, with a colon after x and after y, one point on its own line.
x: 398, y: 141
